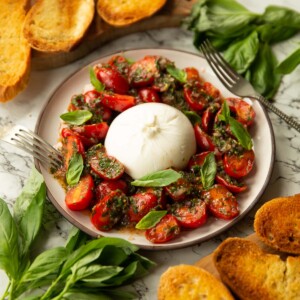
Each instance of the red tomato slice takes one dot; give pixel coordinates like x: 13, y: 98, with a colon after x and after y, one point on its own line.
x: 107, y: 186
x: 203, y: 140
x: 191, y: 213
x: 192, y: 74
x: 80, y: 196
x: 93, y: 131
x: 112, y: 80
x: 143, y: 71
x: 234, y: 188
x: 195, y: 97
x: 140, y: 205
x: 117, y: 102
x: 107, y: 167
x: 165, y: 230
x: 149, y: 95
x: 72, y: 145
x: 238, y: 166
x: 220, y: 202
x: 85, y: 141
x: 179, y: 190
x: 109, y: 211
x: 120, y: 63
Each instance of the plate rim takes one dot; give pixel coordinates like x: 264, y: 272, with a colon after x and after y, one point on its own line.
x: 157, y: 247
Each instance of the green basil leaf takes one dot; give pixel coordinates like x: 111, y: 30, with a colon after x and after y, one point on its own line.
x: 240, y: 54
x: 76, y: 238
x: 9, y: 250
x: 75, y: 169
x: 208, y: 171
x: 241, y: 133
x: 225, y: 113
x: 151, y: 219
x: 28, y: 209
x: 289, y: 64
x: 193, y: 116
x: 157, y: 179
x: 98, y: 85
x: 76, y: 117
x: 178, y: 74
x: 112, y: 256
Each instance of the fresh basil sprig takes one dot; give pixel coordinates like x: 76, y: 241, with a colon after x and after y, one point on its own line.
x: 98, y: 85
x: 208, y: 171
x: 151, y: 219
x: 289, y: 64
x: 75, y: 169
x: 158, y: 179
x: 76, y: 117
x: 178, y: 74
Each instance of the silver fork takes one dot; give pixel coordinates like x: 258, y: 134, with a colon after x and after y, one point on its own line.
x: 30, y: 142
x: 236, y: 84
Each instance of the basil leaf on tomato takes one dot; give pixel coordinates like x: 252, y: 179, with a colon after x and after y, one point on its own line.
x: 151, y: 219
x: 193, y: 116
x: 75, y: 169
x: 208, y: 171
x: 158, y: 179
x: 178, y: 74
x: 241, y: 133
x: 76, y: 117
x: 97, y: 84
x: 225, y: 113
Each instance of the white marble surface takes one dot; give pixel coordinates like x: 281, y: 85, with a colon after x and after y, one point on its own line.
x: 15, y: 165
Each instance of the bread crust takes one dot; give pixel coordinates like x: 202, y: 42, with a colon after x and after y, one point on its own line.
x: 254, y: 274
x: 187, y: 282
x: 121, y: 13
x: 58, y: 25
x: 277, y: 224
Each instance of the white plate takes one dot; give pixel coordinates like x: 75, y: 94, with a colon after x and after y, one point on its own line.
x: 261, y: 131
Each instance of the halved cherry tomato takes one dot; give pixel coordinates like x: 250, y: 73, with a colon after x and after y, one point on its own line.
x: 238, y: 166
x: 85, y: 141
x: 92, y: 98
x: 149, y: 95
x: 107, y: 186
x: 120, y: 63
x: 143, y: 71
x: 109, y: 210
x: 179, y: 190
x: 93, y: 131
x: 232, y: 187
x: 107, y: 167
x: 190, y: 213
x: 72, y: 145
x: 203, y: 140
x: 244, y: 111
x: 197, y: 159
x: 195, y: 97
x: 112, y: 79
x: 165, y: 230
x: 117, y: 102
x: 220, y: 202
x: 80, y: 196
x: 140, y: 205
x: 192, y: 74
x: 211, y: 90
x: 208, y: 118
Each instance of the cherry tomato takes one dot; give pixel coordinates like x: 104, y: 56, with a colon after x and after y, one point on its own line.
x: 143, y: 71
x: 120, y: 63
x: 91, y: 98
x: 211, y: 90
x: 65, y: 132
x: 192, y: 74
x: 195, y: 97
x: 165, y: 230
x: 107, y: 186
x: 72, y: 145
x: 107, y: 167
x: 197, y: 160
x: 117, y: 102
x: 238, y: 166
x: 112, y: 80
x: 179, y: 190
x: 109, y: 210
x: 140, y: 205
x: 80, y: 196
x: 203, y: 140
x: 93, y: 131
x: 208, y: 118
x: 190, y: 213
x: 231, y: 186
x: 149, y: 95
x: 244, y: 111
x: 220, y: 202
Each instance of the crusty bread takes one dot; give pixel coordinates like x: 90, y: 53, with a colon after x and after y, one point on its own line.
x: 254, y: 274
x: 53, y: 26
x: 14, y: 49
x: 277, y: 224
x: 125, y: 12
x: 185, y: 282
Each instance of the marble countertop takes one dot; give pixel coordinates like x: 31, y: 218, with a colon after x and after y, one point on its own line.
x: 15, y: 165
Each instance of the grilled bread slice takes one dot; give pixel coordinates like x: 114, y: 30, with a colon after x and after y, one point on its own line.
x: 125, y: 12
x: 253, y: 274
x: 56, y: 25
x: 277, y: 224
x: 14, y: 49
x: 186, y: 282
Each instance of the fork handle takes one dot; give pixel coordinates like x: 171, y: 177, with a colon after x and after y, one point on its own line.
x: 289, y: 120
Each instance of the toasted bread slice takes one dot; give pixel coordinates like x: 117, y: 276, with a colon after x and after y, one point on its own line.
x: 125, y: 12
x: 277, y: 224
x: 254, y: 274
x: 14, y: 49
x: 54, y: 26
x: 185, y: 282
